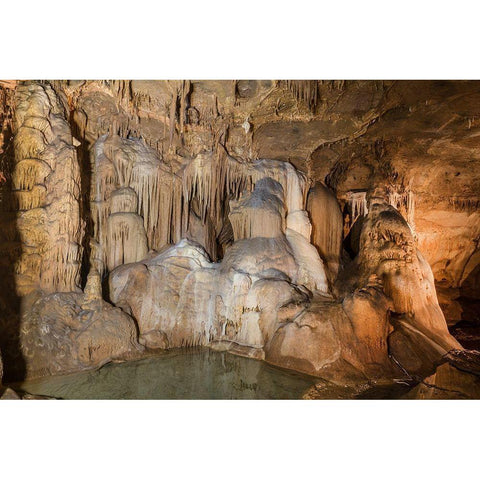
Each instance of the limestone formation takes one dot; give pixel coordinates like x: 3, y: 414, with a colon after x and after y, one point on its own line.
x: 271, y: 255
x: 327, y: 227
x: 46, y: 191
x: 64, y: 332
x: 135, y: 202
x: 393, y: 302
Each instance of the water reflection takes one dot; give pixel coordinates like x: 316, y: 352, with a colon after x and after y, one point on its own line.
x: 199, y: 374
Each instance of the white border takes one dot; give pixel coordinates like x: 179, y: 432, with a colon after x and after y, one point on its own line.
x: 222, y: 40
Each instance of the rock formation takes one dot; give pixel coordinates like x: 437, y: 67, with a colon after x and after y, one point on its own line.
x: 46, y: 191
x: 192, y: 301
x: 135, y: 202
x: 64, y: 332
x: 306, y: 223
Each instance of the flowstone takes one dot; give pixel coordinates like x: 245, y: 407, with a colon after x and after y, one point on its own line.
x: 299, y: 222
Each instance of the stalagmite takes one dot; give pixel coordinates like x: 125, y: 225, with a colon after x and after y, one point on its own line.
x: 327, y: 226
x: 203, y: 233
x: 311, y: 270
x: 126, y: 239
x: 388, y: 250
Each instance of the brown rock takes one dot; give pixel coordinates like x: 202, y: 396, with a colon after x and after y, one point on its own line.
x: 59, y: 335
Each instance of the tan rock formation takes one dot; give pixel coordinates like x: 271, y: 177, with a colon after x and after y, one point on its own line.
x: 393, y: 311
x: 327, y: 227
x: 135, y: 202
x: 64, y: 332
x: 192, y: 197
x: 46, y: 189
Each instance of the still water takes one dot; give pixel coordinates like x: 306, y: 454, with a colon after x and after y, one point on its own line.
x: 198, y: 374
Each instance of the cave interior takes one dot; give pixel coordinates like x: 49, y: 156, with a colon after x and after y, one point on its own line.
x: 329, y: 229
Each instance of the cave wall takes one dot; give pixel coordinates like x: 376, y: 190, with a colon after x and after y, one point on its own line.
x: 102, y: 177
x: 416, y: 136
x: 423, y: 141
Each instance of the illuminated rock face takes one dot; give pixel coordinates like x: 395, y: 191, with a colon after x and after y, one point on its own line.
x: 269, y: 296
x: 135, y: 200
x: 277, y: 220
x: 46, y: 192
x: 61, y: 333
x: 271, y: 264
x: 393, y: 312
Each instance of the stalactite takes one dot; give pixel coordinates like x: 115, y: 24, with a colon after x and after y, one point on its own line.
x: 404, y: 201
x: 28, y: 173
x: 173, y: 112
x: 305, y: 91
x: 248, y: 225
x: 156, y: 189
x: 211, y: 178
x: 357, y: 202
x: 464, y: 204
x: 184, y: 103
x: 179, y: 103
x: 29, y: 199
x: 123, y: 91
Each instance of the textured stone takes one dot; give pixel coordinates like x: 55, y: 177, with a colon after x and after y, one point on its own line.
x: 307, y: 223
x: 60, y: 334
